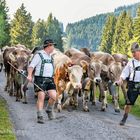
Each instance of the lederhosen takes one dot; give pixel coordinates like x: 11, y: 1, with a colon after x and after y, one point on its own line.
x: 133, y: 87
x: 45, y: 83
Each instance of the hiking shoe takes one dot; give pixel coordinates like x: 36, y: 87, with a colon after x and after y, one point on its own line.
x: 40, y: 119
x: 51, y: 115
x: 123, y: 121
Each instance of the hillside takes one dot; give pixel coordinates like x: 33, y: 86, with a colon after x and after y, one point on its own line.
x: 87, y: 33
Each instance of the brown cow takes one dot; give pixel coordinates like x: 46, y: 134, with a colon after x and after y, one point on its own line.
x: 86, y: 51
x: 1, y: 60
x: 114, y: 70
x: 18, y: 58
x: 75, y: 73
x: 8, y: 69
x: 72, y: 51
x: 89, y: 84
x: 122, y: 58
x: 79, y: 58
x: 106, y: 58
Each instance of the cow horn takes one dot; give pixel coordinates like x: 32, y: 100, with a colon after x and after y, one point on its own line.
x: 12, y: 57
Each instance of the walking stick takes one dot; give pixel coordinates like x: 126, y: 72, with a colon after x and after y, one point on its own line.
x: 26, y: 82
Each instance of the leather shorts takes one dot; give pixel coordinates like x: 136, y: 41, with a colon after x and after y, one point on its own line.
x: 133, y: 92
x: 45, y: 83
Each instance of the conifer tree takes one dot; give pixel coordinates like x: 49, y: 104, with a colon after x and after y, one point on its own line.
x: 54, y: 31
x: 4, y: 24
x: 137, y: 27
x: 21, y: 27
x: 107, y: 36
x: 123, y: 33
x: 38, y: 33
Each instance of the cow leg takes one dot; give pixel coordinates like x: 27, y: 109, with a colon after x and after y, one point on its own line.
x: 85, y: 101
x: 11, y: 87
x: 67, y: 102
x: 7, y: 83
x: 114, y: 94
x: 91, y: 91
x: 103, y: 97
x: 70, y: 95
x: 17, y: 93
x: 59, y: 107
x: 94, y: 94
x: 23, y: 93
x: 75, y: 97
x: 1, y: 67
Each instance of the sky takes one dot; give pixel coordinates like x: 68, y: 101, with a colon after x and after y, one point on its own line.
x: 66, y: 11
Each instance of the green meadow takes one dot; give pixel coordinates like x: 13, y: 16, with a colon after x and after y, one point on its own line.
x: 6, y: 129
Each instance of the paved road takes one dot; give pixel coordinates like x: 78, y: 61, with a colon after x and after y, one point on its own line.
x: 74, y: 125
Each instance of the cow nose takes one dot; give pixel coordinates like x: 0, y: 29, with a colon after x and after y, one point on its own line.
x: 98, y: 80
x: 116, y: 84
x: 78, y: 86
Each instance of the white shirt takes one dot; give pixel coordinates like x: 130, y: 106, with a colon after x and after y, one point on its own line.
x: 36, y: 64
x: 129, y: 70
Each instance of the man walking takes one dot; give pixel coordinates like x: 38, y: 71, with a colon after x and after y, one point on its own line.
x: 42, y: 65
x: 131, y: 72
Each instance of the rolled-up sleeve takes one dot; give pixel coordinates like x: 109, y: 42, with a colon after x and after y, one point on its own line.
x: 35, y: 61
x: 126, y: 71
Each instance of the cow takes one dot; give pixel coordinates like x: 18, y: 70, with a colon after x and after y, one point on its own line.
x: 65, y: 72
x: 75, y: 73
x: 16, y: 61
x: 72, y: 51
x: 79, y: 58
x: 89, y: 83
x: 61, y: 64
x: 8, y: 69
x: 86, y: 51
x: 106, y: 58
x: 113, y: 73
x: 122, y: 58
x: 1, y: 60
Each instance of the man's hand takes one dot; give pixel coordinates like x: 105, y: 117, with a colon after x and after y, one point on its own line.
x: 29, y: 78
x: 119, y: 82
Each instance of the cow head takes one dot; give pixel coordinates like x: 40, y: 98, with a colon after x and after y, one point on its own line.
x: 95, y: 68
x: 19, y: 58
x: 114, y: 71
x: 75, y: 75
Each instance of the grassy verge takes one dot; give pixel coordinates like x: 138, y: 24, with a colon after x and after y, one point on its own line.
x: 6, y: 132
x: 135, y: 109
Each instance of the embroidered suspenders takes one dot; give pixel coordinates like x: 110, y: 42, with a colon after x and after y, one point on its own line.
x: 43, y: 63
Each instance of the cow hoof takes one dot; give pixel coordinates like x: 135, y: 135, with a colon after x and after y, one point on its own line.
x: 86, y: 109
x: 25, y: 102
x: 106, y: 105
x: 93, y: 103
x: 17, y: 100
x: 59, y: 108
x: 117, y: 110
x: 103, y: 109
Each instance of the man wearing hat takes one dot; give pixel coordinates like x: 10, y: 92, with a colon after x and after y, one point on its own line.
x: 42, y: 65
x: 131, y: 73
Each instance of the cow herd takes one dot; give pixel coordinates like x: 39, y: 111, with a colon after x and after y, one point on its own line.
x: 78, y: 73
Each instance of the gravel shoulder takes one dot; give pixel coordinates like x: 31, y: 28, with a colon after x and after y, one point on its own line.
x: 74, y: 125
